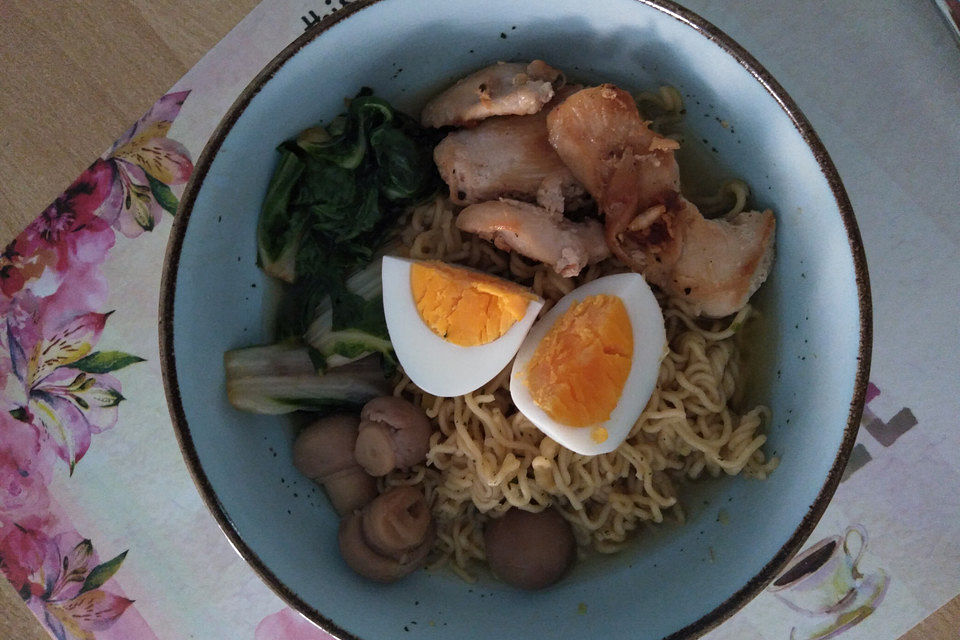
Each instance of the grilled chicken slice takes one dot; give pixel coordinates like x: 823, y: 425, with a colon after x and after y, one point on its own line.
x: 501, y: 157
x: 507, y: 157
x: 537, y: 233
x: 504, y: 88
x: 716, y: 265
x: 721, y: 262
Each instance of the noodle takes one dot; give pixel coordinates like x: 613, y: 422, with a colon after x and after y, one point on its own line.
x: 485, y: 457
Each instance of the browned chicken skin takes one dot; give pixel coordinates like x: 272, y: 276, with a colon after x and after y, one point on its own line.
x: 632, y: 173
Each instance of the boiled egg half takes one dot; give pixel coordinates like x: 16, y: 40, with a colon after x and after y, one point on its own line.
x: 586, y: 370
x: 453, y: 329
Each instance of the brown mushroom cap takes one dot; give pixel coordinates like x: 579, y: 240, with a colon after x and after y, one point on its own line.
x: 397, y: 521
x: 326, y: 446
x: 393, y: 434
x: 366, y: 561
x: 350, y: 489
x: 374, y: 449
x: 530, y: 550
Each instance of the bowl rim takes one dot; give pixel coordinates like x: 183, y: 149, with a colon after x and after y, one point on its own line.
x: 771, y: 568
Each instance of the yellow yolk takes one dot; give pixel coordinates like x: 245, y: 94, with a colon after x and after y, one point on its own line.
x: 466, y: 307
x: 579, y: 369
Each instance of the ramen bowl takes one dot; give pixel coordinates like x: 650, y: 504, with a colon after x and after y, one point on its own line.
x: 809, y: 352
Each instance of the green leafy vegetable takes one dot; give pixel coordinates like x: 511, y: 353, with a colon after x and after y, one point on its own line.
x: 342, y: 347
x: 334, y: 201
x: 280, y: 227
x: 274, y: 359
x: 403, y: 174
x: 350, y: 324
x: 330, y: 208
x: 281, y: 379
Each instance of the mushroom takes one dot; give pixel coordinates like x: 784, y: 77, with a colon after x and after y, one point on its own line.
x: 390, y: 537
x: 530, y: 550
x: 397, y: 521
x: 323, y: 451
x: 393, y: 434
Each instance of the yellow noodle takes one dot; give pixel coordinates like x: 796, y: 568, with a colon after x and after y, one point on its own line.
x: 485, y: 457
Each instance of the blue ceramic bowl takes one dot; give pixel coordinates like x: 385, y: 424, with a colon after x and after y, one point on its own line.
x: 811, y: 355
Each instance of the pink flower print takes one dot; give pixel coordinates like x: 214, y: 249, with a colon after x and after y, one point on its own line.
x: 23, y: 491
x: 63, y: 589
x: 145, y: 164
x: 67, y: 235
x: 26, y: 466
x: 24, y: 550
x: 73, y: 405
x: 64, y: 387
x: 287, y: 624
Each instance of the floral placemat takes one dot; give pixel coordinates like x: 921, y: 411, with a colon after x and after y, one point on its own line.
x: 104, y: 535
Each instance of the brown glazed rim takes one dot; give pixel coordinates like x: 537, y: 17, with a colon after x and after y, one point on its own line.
x: 709, y: 31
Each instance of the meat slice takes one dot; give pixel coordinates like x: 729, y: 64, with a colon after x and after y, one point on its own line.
x: 722, y: 262
x: 537, y: 233
x: 508, y: 157
x: 501, y: 157
x: 504, y: 88
x: 600, y: 136
x: 716, y: 265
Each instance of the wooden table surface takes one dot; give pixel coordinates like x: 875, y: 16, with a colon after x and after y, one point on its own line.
x: 73, y: 76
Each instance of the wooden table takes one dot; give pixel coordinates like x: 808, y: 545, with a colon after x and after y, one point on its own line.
x: 75, y: 75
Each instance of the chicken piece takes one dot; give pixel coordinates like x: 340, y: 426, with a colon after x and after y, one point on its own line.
x: 722, y: 262
x: 536, y: 233
x: 599, y: 135
x: 504, y: 88
x: 632, y: 173
x: 505, y: 157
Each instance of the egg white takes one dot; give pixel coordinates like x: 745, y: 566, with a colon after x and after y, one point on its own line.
x: 439, y: 367
x: 649, y: 347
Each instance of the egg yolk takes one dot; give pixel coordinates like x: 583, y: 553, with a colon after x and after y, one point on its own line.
x: 578, y: 371
x: 466, y: 307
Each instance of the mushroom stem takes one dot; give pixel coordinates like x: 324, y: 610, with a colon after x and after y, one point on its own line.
x: 323, y: 451
x: 350, y: 489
